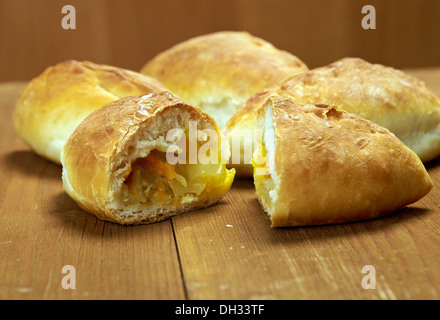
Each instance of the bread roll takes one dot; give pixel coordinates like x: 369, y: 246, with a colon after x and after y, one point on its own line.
x: 55, y: 102
x: 132, y: 161
x: 217, y: 72
x: 321, y: 165
x: 386, y: 96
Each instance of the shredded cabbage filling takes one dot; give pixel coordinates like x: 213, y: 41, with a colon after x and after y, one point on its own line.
x: 153, y: 180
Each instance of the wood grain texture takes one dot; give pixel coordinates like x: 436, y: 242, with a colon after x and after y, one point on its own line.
x: 129, y: 33
x: 227, y: 251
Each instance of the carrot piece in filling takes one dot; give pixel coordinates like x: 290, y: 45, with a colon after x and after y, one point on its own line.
x: 154, y: 165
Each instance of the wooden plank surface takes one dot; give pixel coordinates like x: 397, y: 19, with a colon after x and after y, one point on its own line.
x: 227, y: 251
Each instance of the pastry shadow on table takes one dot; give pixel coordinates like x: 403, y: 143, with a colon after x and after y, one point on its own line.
x: 401, y: 216
x: 29, y: 163
x: 66, y: 211
x: 243, y: 183
x: 76, y: 220
x: 435, y: 163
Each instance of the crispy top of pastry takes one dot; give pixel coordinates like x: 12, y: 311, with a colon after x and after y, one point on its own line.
x: 227, y: 65
x: 54, y: 103
x: 353, y: 81
x: 225, y: 61
x: 101, y: 136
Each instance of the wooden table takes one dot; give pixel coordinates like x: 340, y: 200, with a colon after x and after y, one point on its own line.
x: 227, y: 251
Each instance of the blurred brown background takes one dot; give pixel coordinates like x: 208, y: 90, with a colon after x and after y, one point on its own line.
x: 128, y: 33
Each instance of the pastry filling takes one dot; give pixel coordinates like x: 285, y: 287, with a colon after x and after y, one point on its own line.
x: 263, y: 180
x: 153, y: 180
x: 263, y: 162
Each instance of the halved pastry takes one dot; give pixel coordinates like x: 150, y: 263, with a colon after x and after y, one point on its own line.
x: 317, y: 164
x: 384, y: 95
x: 55, y: 102
x: 143, y: 159
x: 217, y: 72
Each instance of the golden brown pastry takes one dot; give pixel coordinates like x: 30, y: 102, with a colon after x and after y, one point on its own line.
x: 132, y: 161
x: 217, y: 72
x: 318, y: 165
x: 386, y: 96
x: 55, y: 102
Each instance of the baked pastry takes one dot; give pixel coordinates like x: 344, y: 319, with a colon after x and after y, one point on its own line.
x: 217, y: 72
x: 317, y: 164
x: 142, y: 159
x: 384, y: 95
x: 55, y: 102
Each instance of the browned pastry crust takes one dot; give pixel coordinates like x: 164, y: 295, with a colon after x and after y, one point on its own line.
x: 384, y: 95
x: 219, y: 71
x: 98, y: 157
x: 325, y: 165
x: 55, y: 102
